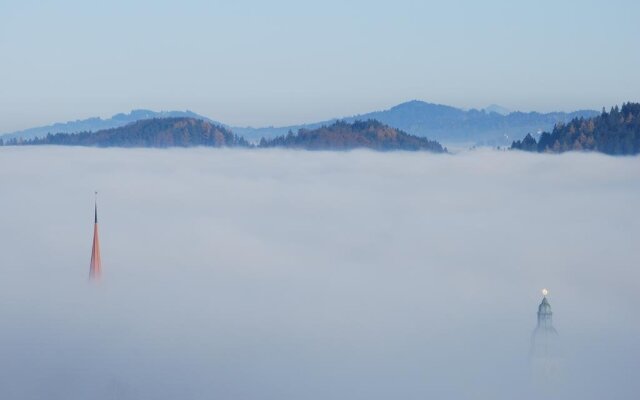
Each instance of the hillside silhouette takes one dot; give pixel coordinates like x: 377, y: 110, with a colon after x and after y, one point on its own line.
x: 342, y: 135
x: 156, y: 132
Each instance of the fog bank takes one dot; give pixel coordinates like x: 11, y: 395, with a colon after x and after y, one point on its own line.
x: 241, y: 274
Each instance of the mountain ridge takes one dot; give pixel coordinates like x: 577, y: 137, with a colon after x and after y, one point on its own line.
x: 191, y: 132
x: 443, y: 123
x: 440, y: 122
x: 155, y: 132
x: 94, y: 124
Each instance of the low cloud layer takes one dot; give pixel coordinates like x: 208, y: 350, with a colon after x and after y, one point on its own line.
x: 239, y: 274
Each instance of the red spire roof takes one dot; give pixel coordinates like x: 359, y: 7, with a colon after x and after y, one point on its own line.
x: 96, y: 264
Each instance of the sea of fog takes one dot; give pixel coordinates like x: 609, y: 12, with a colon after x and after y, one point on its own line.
x: 244, y: 274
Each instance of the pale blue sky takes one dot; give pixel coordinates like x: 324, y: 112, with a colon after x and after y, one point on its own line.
x: 282, y: 62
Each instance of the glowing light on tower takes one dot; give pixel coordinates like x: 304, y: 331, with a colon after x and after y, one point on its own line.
x: 95, y: 269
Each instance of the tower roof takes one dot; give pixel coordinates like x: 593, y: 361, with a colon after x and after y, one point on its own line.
x: 544, y: 306
x: 544, y: 315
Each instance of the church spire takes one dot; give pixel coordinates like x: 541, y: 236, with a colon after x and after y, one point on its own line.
x: 95, y: 268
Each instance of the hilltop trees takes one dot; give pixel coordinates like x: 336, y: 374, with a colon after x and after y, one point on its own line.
x: 616, y: 132
x: 187, y: 132
x: 157, y: 132
x: 359, y: 134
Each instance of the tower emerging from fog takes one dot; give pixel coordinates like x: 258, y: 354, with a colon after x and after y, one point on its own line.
x: 95, y: 268
x: 545, y: 323
x: 545, y: 355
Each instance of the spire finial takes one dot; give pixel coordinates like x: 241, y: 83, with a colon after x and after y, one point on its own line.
x: 96, y: 206
x: 545, y: 292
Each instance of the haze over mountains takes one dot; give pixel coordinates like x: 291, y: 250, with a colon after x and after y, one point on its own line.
x: 155, y: 132
x: 192, y: 132
x: 494, y: 125
x: 96, y: 123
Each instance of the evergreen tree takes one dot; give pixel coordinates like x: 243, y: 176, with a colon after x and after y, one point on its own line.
x: 616, y: 132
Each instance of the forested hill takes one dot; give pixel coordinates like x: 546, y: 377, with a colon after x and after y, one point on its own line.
x: 616, y: 132
x: 342, y: 135
x: 157, y: 132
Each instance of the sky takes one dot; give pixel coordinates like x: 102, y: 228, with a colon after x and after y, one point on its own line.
x: 282, y: 62
x: 279, y: 274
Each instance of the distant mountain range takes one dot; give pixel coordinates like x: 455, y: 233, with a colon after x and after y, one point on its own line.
x: 444, y: 123
x: 96, y: 123
x: 497, y: 109
x: 494, y: 125
x: 188, y: 132
x: 616, y: 132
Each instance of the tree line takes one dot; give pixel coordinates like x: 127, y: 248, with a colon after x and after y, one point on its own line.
x: 342, y: 135
x: 156, y: 132
x: 616, y: 132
